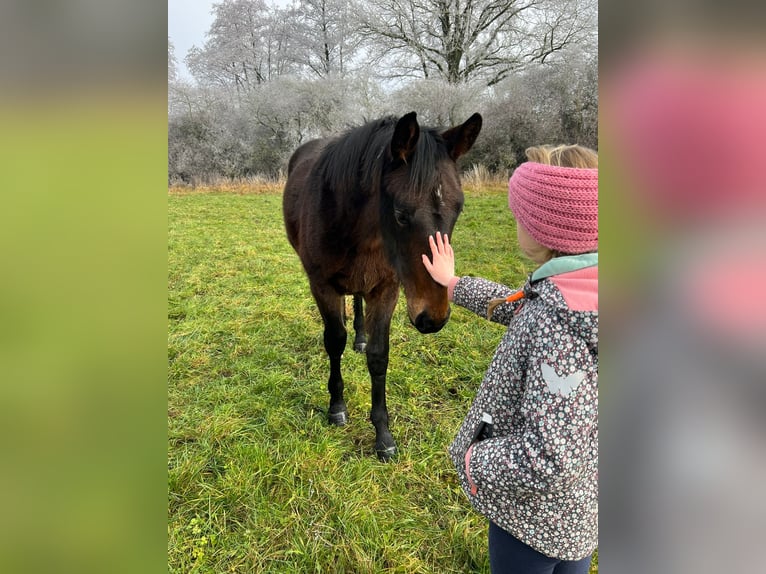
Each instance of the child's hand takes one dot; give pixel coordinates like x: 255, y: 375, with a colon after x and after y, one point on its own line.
x: 442, y: 269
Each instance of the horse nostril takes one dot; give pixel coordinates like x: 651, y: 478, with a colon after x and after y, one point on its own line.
x: 425, y: 324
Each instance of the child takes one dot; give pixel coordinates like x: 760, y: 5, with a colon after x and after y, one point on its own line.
x: 527, y: 451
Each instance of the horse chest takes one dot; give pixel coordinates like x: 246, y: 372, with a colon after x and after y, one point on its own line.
x: 365, y: 271
x: 370, y: 270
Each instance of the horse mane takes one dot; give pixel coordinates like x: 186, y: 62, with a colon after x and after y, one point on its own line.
x: 354, y: 161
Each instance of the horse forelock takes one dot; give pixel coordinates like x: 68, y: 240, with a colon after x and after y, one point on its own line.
x: 430, y: 155
x: 421, y: 179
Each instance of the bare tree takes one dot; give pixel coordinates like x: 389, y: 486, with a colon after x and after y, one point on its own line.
x: 182, y: 97
x: 172, y: 62
x: 474, y: 40
x: 551, y: 103
x: 325, y: 36
x: 438, y: 102
x: 246, y: 46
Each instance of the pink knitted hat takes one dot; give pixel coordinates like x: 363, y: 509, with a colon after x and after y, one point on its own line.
x: 557, y: 206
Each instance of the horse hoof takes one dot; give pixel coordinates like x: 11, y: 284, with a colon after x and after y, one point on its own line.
x: 338, y: 419
x: 360, y: 347
x: 386, y: 454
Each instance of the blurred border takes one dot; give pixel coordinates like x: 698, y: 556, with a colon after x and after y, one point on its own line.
x: 683, y: 239
x: 83, y: 149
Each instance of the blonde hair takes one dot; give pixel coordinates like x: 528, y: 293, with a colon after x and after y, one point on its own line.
x: 573, y: 155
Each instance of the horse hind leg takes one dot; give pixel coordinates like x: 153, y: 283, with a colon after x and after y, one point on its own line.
x: 360, y: 339
x: 331, y: 307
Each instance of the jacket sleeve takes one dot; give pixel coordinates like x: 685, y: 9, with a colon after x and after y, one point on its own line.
x: 554, y: 446
x: 474, y: 294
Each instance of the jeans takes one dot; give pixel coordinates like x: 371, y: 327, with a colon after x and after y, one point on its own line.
x: 508, y: 555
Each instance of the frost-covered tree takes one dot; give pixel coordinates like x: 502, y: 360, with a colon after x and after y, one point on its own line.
x: 473, y: 40
x: 550, y: 103
x: 247, y: 45
x: 438, y: 102
x: 325, y: 36
x: 172, y: 63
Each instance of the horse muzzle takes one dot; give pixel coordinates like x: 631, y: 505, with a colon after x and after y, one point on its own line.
x: 426, y: 324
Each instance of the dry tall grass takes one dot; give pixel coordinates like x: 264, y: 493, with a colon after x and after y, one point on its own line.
x: 478, y: 178
x: 475, y: 179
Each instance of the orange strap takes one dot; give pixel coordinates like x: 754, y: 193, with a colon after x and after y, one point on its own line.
x: 510, y: 299
x: 515, y: 296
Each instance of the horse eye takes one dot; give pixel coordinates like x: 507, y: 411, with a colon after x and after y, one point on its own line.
x: 402, y: 217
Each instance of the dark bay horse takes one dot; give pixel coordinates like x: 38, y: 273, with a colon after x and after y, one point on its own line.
x: 358, y: 210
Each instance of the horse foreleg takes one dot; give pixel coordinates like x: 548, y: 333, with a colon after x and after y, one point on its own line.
x: 378, y: 320
x: 360, y: 340
x: 331, y: 307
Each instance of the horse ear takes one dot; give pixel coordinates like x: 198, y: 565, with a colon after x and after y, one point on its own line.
x: 461, y: 138
x: 406, y: 134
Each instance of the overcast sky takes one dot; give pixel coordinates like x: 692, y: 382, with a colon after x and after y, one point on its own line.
x: 188, y: 20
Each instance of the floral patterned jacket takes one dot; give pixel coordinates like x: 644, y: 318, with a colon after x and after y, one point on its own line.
x: 537, y: 475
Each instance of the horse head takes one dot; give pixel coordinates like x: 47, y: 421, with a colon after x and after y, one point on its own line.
x: 420, y: 195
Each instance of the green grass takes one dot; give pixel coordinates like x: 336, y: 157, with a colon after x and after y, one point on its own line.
x: 257, y: 479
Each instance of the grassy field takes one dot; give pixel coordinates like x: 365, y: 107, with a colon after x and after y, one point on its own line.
x: 257, y: 480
